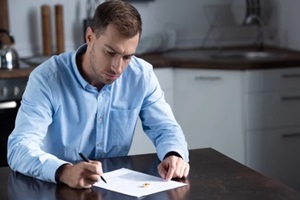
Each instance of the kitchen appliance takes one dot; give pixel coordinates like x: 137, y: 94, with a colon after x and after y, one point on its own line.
x: 9, y: 58
x: 11, y: 91
x: 12, y: 87
x: 13, y: 80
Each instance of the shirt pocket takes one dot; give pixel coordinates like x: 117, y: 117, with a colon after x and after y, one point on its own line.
x: 121, y: 129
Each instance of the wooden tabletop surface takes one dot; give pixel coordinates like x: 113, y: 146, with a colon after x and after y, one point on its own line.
x: 212, y: 176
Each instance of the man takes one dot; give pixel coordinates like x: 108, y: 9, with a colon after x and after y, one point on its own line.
x: 88, y: 101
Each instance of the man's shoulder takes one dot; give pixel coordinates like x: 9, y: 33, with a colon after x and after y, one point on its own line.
x: 140, y: 65
x: 53, y: 65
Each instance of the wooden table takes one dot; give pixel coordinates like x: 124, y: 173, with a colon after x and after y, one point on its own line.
x: 212, y: 176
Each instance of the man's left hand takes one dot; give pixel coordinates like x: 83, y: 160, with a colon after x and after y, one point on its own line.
x: 173, y: 167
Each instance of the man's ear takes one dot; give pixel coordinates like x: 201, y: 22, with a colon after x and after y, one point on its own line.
x: 89, y: 34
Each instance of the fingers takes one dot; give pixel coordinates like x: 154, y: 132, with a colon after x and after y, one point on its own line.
x: 86, y: 183
x: 81, y: 175
x: 182, y: 169
x: 171, y: 170
x: 173, y: 167
x: 90, y: 177
x: 91, y: 172
x: 186, y: 170
x: 94, y: 167
x: 161, y: 170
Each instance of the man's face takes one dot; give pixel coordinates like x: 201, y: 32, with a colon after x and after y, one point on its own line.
x: 108, y: 55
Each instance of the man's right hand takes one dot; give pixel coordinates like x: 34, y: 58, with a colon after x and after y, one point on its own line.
x: 80, y: 175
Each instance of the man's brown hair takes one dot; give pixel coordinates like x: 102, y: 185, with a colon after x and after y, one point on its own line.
x: 123, y: 15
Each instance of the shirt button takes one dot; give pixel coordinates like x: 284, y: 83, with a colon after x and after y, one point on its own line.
x: 99, y: 144
x: 100, y: 119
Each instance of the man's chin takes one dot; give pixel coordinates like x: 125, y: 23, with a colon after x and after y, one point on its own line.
x: 109, y: 82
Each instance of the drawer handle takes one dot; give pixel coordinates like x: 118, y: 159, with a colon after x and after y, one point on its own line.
x: 208, y: 78
x: 290, y: 135
x: 291, y: 98
x: 291, y: 76
x: 8, y: 105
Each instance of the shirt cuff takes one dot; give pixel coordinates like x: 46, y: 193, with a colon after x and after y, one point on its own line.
x: 50, y: 167
x: 173, y: 153
x: 183, y: 153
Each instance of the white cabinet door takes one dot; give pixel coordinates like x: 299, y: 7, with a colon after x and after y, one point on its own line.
x: 273, y: 121
x: 267, y: 80
x: 273, y: 98
x: 275, y: 153
x: 273, y: 109
x: 141, y: 143
x: 209, y: 108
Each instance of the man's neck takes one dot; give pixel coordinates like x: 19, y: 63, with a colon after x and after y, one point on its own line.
x: 81, y: 62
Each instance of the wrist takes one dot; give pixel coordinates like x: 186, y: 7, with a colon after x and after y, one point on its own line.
x: 59, y: 172
x: 172, y: 153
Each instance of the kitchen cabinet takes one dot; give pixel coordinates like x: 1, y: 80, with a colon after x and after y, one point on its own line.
x: 141, y: 143
x: 209, y: 107
x: 273, y: 123
x: 275, y: 153
x: 273, y: 98
x: 273, y: 109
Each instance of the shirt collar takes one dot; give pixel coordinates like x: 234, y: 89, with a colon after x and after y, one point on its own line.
x: 79, y: 77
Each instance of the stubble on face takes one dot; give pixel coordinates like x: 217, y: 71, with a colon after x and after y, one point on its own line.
x: 108, y: 56
x: 97, y: 77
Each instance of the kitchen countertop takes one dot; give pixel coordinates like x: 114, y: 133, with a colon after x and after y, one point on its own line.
x: 182, y: 59
x: 15, y: 73
x: 198, y: 59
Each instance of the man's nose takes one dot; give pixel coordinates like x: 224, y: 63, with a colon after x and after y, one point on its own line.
x: 117, y: 65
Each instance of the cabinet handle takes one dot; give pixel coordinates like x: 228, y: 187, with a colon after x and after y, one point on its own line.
x: 291, y: 76
x: 290, y: 135
x: 8, y: 105
x: 208, y: 78
x: 290, y: 98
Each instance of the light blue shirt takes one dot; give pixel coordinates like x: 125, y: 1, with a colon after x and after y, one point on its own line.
x: 61, y: 114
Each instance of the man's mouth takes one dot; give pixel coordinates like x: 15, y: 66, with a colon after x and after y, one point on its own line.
x: 111, y: 76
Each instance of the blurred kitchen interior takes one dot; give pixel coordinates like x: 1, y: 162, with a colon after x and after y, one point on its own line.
x: 195, y: 23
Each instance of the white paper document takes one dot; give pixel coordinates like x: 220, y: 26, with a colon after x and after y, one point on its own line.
x: 135, y: 183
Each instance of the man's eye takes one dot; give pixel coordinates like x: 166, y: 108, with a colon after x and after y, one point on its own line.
x: 127, y: 57
x: 110, y: 53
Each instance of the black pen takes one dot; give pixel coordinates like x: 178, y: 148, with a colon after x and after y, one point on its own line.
x: 87, y: 160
